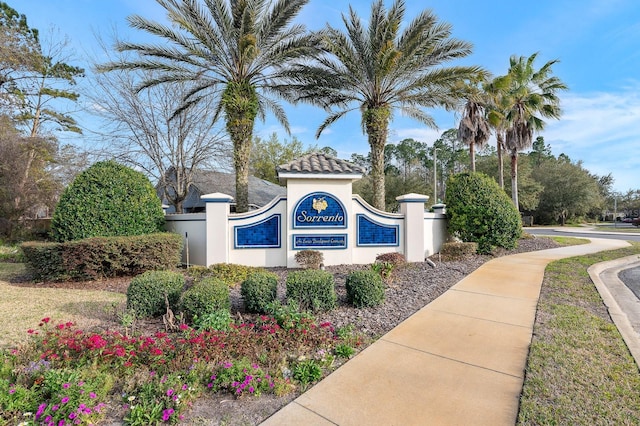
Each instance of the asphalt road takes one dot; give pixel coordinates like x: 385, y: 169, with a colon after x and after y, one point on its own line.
x: 630, y: 277
x: 588, y: 234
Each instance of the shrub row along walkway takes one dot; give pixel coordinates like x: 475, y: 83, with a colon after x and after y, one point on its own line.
x: 459, y: 360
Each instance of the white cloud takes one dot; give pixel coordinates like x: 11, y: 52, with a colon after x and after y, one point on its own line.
x: 421, y: 134
x: 601, y: 130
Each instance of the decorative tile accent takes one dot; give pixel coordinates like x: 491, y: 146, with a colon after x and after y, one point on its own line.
x: 263, y: 234
x: 319, y: 210
x: 372, y: 233
x: 324, y: 241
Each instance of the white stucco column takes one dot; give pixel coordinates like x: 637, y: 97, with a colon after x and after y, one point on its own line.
x: 217, y: 225
x: 412, y: 207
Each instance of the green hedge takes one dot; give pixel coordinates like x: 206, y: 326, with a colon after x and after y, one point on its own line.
x: 312, y: 289
x: 364, y: 289
x: 480, y: 211
x: 107, y: 200
x: 149, y: 293
x: 259, y: 290
x: 204, y: 298
x: 102, y: 257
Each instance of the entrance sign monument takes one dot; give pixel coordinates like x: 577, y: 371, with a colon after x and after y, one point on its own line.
x: 319, y: 212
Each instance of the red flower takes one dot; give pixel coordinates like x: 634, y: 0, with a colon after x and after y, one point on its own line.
x: 45, y: 320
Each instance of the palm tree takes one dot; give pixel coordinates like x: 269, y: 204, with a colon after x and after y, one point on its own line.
x: 496, y: 92
x: 232, y: 50
x: 474, y: 128
x: 532, y: 96
x: 379, y: 68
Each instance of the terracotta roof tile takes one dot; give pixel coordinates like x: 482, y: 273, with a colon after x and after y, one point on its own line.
x: 319, y: 163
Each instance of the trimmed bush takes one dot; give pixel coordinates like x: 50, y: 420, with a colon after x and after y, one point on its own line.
x: 312, y: 289
x: 309, y: 259
x: 364, y: 289
x: 395, y: 258
x: 480, y: 211
x: 458, y: 251
x: 259, y: 290
x: 231, y: 273
x: 107, y: 200
x: 205, y: 297
x: 148, y: 293
x: 102, y: 257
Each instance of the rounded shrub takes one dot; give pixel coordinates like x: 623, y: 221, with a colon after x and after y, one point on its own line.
x: 312, y: 289
x: 148, y: 293
x: 480, y: 211
x: 259, y: 290
x: 364, y: 289
x: 107, y: 200
x: 205, y: 297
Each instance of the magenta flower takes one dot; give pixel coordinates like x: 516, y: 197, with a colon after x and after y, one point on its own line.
x: 92, y: 395
x: 169, y: 392
x: 66, y: 386
x: 166, y: 414
x: 64, y: 400
x: 40, y: 410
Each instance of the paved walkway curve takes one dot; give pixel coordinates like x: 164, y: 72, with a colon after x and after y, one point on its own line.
x: 460, y: 360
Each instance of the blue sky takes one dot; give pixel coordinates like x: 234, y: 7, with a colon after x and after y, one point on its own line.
x: 596, y: 41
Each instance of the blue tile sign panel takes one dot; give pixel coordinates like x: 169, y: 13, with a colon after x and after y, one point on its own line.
x: 372, y: 233
x: 325, y: 241
x: 319, y: 210
x: 263, y: 234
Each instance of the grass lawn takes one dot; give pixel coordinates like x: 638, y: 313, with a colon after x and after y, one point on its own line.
x: 619, y: 228
x: 79, y: 306
x: 579, y: 370
x: 570, y: 241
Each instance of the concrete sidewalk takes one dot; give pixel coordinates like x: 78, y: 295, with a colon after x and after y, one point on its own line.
x: 458, y: 361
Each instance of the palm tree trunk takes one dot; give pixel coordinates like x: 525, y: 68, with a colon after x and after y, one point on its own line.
x: 500, y: 162
x: 472, y: 156
x: 514, y: 178
x: 376, y: 121
x: 241, y: 108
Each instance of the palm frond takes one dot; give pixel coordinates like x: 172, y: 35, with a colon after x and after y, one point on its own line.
x: 332, y: 118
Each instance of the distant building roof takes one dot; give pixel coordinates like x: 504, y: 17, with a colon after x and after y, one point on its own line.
x: 261, y: 192
x: 319, y: 165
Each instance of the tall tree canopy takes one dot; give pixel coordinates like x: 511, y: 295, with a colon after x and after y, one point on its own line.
x: 143, y: 130
x: 382, y: 66
x: 233, y: 51
x: 19, y: 46
x: 532, y: 96
x: 474, y: 129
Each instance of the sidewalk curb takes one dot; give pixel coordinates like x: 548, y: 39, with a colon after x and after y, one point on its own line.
x: 615, y: 293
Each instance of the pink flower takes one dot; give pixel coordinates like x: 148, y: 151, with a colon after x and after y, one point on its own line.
x: 64, y: 400
x: 169, y: 392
